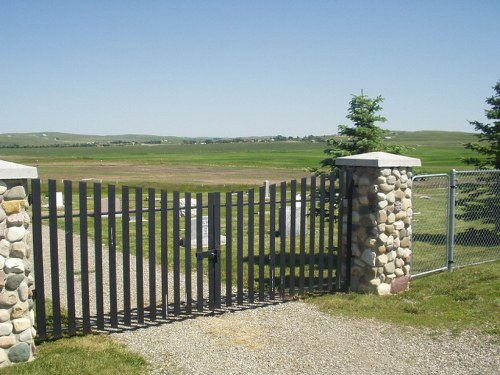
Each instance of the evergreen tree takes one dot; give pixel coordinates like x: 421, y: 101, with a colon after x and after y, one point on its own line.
x: 364, y: 136
x: 489, y: 136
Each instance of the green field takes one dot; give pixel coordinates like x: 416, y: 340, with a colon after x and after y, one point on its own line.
x: 201, y: 167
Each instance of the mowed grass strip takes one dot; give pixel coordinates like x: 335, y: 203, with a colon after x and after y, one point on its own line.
x: 92, y: 354
x: 466, y: 299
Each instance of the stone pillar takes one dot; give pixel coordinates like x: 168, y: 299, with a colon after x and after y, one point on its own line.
x: 17, y: 333
x: 376, y: 221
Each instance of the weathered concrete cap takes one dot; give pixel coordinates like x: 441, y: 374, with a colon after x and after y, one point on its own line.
x: 378, y: 159
x: 10, y: 171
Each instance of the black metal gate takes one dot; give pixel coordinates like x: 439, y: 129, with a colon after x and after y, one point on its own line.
x: 115, y: 257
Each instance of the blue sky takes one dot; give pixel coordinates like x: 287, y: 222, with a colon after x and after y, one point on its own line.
x: 243, y: 68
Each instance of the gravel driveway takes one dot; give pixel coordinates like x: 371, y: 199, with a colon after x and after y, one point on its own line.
x: 296, y: 338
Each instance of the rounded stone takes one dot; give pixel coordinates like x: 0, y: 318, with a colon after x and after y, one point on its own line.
x: 389, y: 267
x: 23, y: 291
x: 14, y: 265
x: 391, y: 255
x: 18, y: 250
x: 20, y: 353
x: 15, y: 193
x: 13, y: 207
x: 3, y: 356
x: 8, y: 299
x: 382, y: 260
x: 21, y: 324
x: 14, y: 280
x: 3, y: 186
x: 20, y: 310
x: 384, y: 289
x: 3, y: 278
x: 406, y: 242
x: 15, y: 220
x: 3, y: 215
x: 399, y: 263
x: 389, y: 229
x: 401, y: 215
x: 382, y: 204
x: 399, y: 272
x: 4, y: 247
x: 385, y: 172
x: 391, y: 180
x: 382, y: 216
x: 386, y: 188
x: 5, y: 329
x: 26, y: 335
x: 15, y: 234
x: 7, y: 341
x: 4, y: 315
x: 406, y: 203
x: 391, y: 218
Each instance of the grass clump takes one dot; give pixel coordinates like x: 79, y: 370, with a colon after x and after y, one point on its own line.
x: 466, y: 299
x: 92, y: 354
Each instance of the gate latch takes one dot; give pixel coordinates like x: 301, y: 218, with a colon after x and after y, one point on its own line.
x: 210, y: 254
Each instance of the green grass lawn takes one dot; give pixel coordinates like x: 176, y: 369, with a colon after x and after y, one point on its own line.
x: 466, y: 299
x: 88, y: 355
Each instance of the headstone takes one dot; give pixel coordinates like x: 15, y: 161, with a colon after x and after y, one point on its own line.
x: 204, y: 233
x: 298, y: 218
x: 182, y: 207
x: 59, y: 199
x: 266, y: 187
x: 105, y: 206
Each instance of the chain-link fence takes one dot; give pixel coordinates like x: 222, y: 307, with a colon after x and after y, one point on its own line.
x: 456, y: 220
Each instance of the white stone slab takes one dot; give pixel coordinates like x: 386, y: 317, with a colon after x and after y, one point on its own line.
x: 378, y: 159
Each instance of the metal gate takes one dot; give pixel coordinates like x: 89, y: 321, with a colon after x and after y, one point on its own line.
x: 110, y: 257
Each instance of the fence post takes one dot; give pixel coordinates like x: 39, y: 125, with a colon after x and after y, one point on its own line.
x: 17, y: 333
x: 451, y: 220
x: 376, y: 221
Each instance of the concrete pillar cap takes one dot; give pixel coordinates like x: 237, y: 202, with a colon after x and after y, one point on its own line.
x: 13, y: 171
x: 378, y: 159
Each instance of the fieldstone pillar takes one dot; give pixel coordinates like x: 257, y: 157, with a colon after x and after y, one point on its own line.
x: 376, y: 214
x: 17, y: 333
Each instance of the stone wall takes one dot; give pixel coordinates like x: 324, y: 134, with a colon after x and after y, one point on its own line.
x: 381, y: 229
x: 16, y: 281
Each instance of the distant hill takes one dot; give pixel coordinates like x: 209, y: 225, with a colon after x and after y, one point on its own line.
x: 54, y: 139
x: 47, y: 139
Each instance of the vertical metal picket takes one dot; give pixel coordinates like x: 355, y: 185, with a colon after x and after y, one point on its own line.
x: 177, y: 255
x: 98, y: 255
x: 84, y: 257
x: 113, y: 294
x: 164, y: 254
x: 240, y: 231
x: 70, y: 271
x: 54, y: 260
x: 262, y: 249
x: 152, y: 252
x: 126, y: 255
x: 229, y: 249
x: 139, y: 252
x: 312, y: 234
x: 39, y: 296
